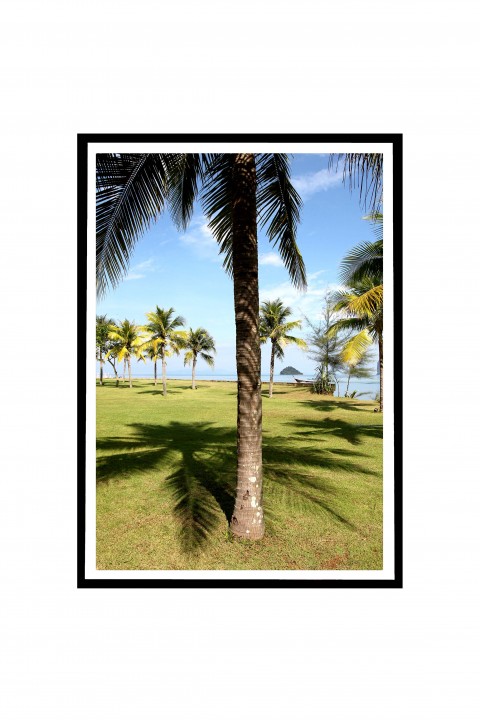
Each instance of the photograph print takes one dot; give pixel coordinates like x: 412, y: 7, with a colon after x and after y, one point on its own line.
x: 240, y: 402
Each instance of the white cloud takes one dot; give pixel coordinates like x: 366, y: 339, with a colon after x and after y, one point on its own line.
x: 134, y: 276
x: 309, y: 303
x: 311, y: 183
x: 270, y: 258
x: 145, y: 265
x: 201, y: 240
x: 138, y: 271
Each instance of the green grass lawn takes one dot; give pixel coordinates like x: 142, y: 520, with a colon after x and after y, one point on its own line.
x: 166, y: 480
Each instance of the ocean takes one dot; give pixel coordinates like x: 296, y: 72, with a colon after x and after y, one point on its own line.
x: 366, y: 388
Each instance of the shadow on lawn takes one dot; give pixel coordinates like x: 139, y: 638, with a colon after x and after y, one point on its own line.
x: 353, y: 433
x: 337, y: 404
x: 202, y: 459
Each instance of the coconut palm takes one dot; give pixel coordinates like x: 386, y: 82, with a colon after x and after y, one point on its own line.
x: 112, y: 356
x: 274, y: 327
x: 235, y: 190
x: 154, y: 355
x: 102, y: 340
x: 128, y: 338
x: 362, y: 301
x: 366, y: 259
x: 199, y: 343
x: 165, y: 337
x: 365, y: 172
x: 362, y: 307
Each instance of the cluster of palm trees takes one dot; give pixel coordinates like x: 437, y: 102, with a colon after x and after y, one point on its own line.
x: 360, y: 303
x: 161, y: 337
x: 164, y: 336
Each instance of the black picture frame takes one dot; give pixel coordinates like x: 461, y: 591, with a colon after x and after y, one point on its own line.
x: 83, y: 142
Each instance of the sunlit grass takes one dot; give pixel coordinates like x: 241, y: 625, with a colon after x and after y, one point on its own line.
x: 166, y: 480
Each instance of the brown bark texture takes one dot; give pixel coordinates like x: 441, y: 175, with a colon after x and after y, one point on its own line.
x: 380, y: 358
x: 194, y: 363
x: 247, y: 519
x: 164, y: 375
x: 272, y: 365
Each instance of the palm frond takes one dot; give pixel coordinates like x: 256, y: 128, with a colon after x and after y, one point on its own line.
x: 367, y: 304
x: 364, y: 261
x: 184, y: 187
x: 352, y: 324
x: 289, y: 339
x: 278, y: 205
x: 364, y: 171
x: 217, y: 202
x: 131, y: 191
x: 356, y: 347
x: 209, y: 359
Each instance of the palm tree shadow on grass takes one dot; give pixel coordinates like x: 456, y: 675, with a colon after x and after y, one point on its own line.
x: 351, y: 432
x: 337, y: 404
x: 202, y: 480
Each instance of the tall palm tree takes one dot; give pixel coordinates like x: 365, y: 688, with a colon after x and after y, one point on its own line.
x: 362, y: 307
x: 165, y: 337
x: 102, y: 330
x: 153, y: 354
x: 199, y: 343
x: 235, y: 189
x: 129, y: 340
x: 362, y: 302
x: 274, y: 327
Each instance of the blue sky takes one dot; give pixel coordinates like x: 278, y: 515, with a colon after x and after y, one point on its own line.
x: 183, y: 270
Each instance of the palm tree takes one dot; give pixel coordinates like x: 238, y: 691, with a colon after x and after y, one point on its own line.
x: 165, y: 338
x: 112, y: 356
x: 235, y: 189
x: 152, y: 353
x: 129, y: 340
x: 102, y: 330
x: 365, y: 172
x: 362, y: 306
x: 362, y: 302
x: 199, y: 343
x: 274, y: 326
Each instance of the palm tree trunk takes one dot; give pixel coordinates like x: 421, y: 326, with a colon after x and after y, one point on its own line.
x: 247, y: 519
x: 272, y: 364
x: 129, y: 371
x: 164, y: 375
x: 194, y: 363
x: 155, y: 372
x: 114, y: 370
x: 380, y: 358
x: 101, y: 368
x: 124, y: 369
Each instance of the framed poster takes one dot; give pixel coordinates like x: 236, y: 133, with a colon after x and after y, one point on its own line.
x: 243, y: 377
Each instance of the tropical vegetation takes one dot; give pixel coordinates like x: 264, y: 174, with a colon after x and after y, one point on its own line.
x: 325, y: 349
x: 128, y: 342
x: 164, y: 337
x: 236, y: 192
x: 360, y: 304
x: 199, y: 343
x: 275, y: 327
x: 102, y: 340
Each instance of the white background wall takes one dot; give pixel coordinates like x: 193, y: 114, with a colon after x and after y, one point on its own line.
x: 105, y: 66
